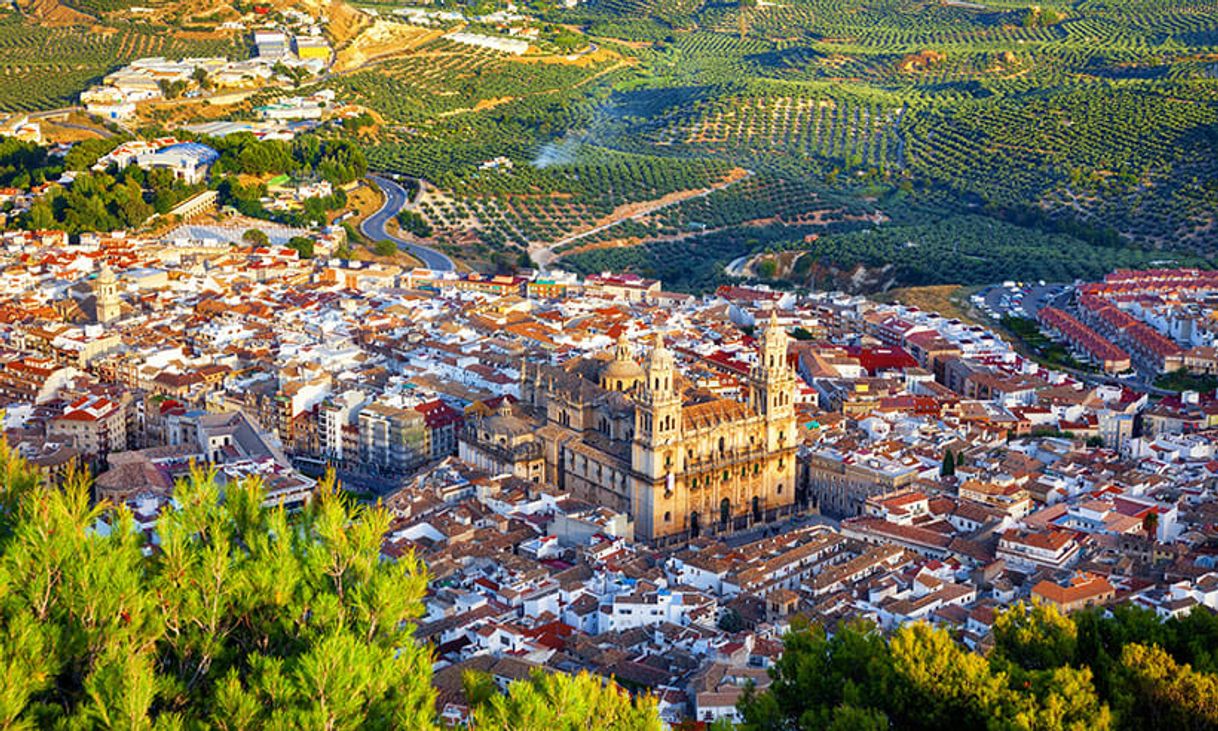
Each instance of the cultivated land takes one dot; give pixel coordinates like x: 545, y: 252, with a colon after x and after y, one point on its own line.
x: 992, y: 140
x: 894, y: 142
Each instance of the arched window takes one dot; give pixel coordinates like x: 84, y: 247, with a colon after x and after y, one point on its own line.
x: 667, y: 516
x: 722, y: 445
x: 756, y: 509
x: 694, y: 528
x: 725, y: 512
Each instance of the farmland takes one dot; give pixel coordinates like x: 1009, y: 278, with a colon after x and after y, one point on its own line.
x: 940, y: 142
x: 924, y: 141
x: 45, y: 67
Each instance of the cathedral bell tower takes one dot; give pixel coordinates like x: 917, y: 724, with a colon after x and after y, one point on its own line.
x: 773, y: 387
x: 105, y: 293
x: 657, y: 416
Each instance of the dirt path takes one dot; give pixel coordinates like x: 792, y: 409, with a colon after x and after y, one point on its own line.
x: 543, y: 255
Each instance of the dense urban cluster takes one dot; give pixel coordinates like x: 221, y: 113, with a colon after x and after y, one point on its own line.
x: 602, y: 475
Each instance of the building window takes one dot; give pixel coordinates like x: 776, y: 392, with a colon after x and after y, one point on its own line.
x: 667, y: 516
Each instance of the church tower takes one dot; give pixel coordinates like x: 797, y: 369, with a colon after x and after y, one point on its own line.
x: 773, y: 386
x: 657, y: 420
x: 105, y: 293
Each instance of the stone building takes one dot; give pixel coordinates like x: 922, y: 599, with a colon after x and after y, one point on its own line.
x: 502, y: 443
x: 681, y: 462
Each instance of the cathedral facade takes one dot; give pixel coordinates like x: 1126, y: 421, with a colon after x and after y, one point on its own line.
x: 683, y: 463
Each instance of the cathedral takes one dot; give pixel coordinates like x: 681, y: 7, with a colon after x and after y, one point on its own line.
x: 640, y: 439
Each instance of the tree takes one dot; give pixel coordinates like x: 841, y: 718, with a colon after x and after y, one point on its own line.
x: 199, y: 76
x: 817, y: 674
x: 385, y: 247
x: 731, y: 621
x: 948, y: 467
x: 302, y: 245
x: 1150, y: 525
x: 559, y: 701
x: 1160, y: 693
x: 243, y: 618
x: 171, y: 89
x: 255, y: 237
x: 939, y: 684
x: 920, y: 678
x: 40, y: 217
x: 1034, y: 636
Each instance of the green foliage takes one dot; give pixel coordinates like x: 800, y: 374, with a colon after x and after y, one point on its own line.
x: 558, y: 701
x: 1165, y: 694
x: 302, y: 245
x: 23, y: 164
x: 948, y: 467
x: 1185, y: 381
x: 1034, y: 636
x: 1080, y: 141
x: 731, y: 621
x: 255, y: 237
x: 1046, y: 671
x: 414, y: 223
x: 385, y: 247
x: 105, y: 202
x: 241, y: 619
x: 336, y: 160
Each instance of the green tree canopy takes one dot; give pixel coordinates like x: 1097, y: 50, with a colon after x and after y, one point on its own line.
x: 256, y: 237
x: 242, y: 617
x: 561, y: 702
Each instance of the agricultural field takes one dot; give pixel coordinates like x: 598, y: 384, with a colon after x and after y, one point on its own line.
x: 44, y: 67
x: 924, y: 141
x: 921, y: 142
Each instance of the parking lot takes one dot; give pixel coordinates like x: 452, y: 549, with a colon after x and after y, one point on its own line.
x: 1020, y: 299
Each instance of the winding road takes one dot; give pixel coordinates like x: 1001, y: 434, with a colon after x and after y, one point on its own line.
x: 374, y: 226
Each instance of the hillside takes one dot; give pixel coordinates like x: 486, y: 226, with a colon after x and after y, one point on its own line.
x: 1090, y: 126
x: 923, y: 141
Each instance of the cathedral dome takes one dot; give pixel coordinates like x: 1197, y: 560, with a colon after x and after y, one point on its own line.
x: 624, y: 370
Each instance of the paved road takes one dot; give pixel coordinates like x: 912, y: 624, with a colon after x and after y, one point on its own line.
x: 374, y: 226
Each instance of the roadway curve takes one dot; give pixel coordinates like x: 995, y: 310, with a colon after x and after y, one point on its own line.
x: 374, y: 226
